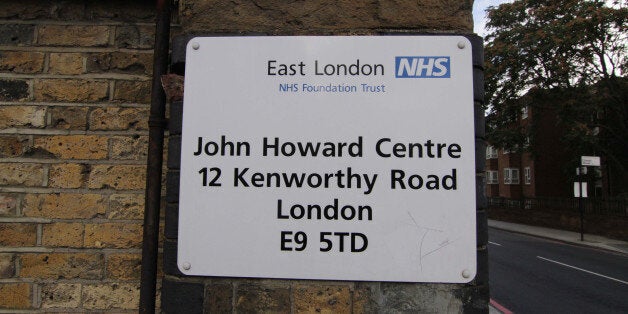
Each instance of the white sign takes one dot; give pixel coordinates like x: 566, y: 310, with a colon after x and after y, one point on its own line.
x: 580, y: 186
x: 590, y: 161
x: 341, y: 158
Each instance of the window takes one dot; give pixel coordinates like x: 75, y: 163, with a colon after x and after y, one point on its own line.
x: 491, y: 152
x: 527, y: 175
x: 524, y: 112
x: 511, y: 176
x: 492, y: 177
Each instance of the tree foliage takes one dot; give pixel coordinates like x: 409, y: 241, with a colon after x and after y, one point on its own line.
x: 568, y: 56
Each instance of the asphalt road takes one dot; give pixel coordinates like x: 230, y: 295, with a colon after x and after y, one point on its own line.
x: 534, y: 275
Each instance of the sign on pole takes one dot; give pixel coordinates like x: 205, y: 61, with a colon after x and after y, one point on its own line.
x: 590, y: 161
x: 341, y: 158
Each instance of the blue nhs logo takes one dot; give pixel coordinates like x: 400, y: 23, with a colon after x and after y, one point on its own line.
x: 422, y: 67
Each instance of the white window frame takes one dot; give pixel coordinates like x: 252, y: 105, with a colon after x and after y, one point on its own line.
x: 492, y: 177
x: 511, y: 175
x: 491, y: 152
x: 527, y: 175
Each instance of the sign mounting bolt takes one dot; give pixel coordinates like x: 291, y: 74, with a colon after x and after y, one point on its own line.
x: 465, y: 273
x: 461, y: 45
x: 195, y: 46
x: 187, y: 266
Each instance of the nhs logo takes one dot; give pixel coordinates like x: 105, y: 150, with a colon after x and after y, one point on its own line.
x: 422, y: 67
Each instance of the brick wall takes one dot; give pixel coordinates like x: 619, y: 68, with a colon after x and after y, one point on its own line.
x: 74, y: 98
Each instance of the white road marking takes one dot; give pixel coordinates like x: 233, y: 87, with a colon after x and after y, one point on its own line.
x: 584, y: 270
x: 494, y: 243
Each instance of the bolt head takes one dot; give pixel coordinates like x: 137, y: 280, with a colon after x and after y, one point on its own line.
x: 187, y: 266
x: 195, y: 46
x: 466, y: 273
x: 461, y: 45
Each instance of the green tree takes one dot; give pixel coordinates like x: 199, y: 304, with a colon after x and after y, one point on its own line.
x: 568, y: 56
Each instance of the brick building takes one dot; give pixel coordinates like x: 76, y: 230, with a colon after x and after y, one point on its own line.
x: 536, y: 171
x: 75, y: 88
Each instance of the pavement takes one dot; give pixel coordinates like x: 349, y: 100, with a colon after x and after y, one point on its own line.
x: 590, y: 240
x: 570, y: 237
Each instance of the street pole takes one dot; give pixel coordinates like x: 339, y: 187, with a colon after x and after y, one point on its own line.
x: 581, y: 207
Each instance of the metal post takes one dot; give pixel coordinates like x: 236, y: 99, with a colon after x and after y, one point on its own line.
x: 581, y: 176
x: 581, y: 207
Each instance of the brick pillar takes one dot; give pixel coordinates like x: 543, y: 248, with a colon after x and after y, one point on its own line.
x: 183, y: 294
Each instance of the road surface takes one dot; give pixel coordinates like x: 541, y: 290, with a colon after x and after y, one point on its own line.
x: 534, y: 275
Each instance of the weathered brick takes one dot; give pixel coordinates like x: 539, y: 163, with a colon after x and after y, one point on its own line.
x: 73, y: 146
x: 13, y: 90
x: 135, y: 36
x: 8, y: 204
x: 64, y: 206
x: 111, y: 296
x: 22, y: 9
x: 365, y: 298
x: 61, y: 295
x: 252, y: 298
x: 136, y: 11
x: 65, y: 63
x: 11, y: 146
x: 129, y: 147
x: 21, y: 61
x: 69, y: 176
x: 68, y: 118
x: 22, y: 116
x: 113, y: 235
x: 73, y: 35
x: 71, y: 90
x: 183, y: 297
x: 119, y: 177
x: 7, y: 265
x: 62, y: 266
x: 279, y: 17
x: 16, y: 34
x: 18, y: 234
x: 126, y: 206
x: 132, y: 91
x: 15, y: 295
x: 115, y: 118
x: 124, y: 266
x: 120, y: 62
x: 322, y: 299
x: 21, y: 174
x: 63, y: 234
x: 218, y: 298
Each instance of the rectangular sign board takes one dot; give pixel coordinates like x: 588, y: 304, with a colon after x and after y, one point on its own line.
x: 590, y: 161
x: 340, y: 158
